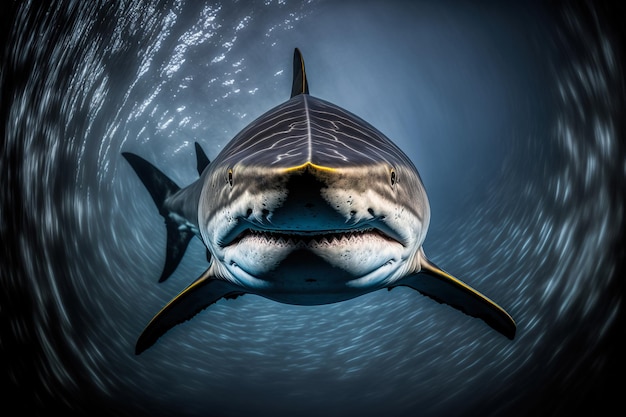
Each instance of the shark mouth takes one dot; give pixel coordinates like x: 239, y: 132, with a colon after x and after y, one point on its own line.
x: 311, y: 239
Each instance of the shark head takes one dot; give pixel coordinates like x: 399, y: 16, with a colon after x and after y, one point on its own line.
x: 307, y: 205
x: 313, y: 208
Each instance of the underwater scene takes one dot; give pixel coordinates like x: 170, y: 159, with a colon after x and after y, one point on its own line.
x: 512, y: 112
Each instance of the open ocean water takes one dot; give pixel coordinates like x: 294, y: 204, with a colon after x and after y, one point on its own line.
x: 513, y: 112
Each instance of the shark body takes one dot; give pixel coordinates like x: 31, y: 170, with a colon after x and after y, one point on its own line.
x: 308, y: 205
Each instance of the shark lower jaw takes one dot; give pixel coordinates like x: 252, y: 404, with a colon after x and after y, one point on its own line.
x: 318, y: 264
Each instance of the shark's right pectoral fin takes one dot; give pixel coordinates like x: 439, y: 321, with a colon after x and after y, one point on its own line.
x: 203, y: 292
x: 444, y: 288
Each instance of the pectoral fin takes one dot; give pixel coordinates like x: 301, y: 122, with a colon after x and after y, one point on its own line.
x: 444, y: 288
x: 203, y: 292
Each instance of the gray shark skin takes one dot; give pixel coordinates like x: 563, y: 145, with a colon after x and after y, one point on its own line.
x: 308, y: 205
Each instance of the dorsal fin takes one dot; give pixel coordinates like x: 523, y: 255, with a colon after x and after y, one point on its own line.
x: 201, y: 159
x: 300, y: 84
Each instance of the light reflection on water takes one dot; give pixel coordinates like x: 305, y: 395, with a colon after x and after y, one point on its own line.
x: 515, y: 128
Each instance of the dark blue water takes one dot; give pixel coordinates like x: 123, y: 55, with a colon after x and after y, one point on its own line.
x: 514, y: 115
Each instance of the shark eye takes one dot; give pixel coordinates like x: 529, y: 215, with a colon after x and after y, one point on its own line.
x: 392, y: 177
x: 230, y: 177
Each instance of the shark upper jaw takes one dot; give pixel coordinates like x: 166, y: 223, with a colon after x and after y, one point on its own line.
x: 245, y: 228
x: 309, y: 239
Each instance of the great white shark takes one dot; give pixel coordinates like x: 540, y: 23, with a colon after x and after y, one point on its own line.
x: 308, y: 205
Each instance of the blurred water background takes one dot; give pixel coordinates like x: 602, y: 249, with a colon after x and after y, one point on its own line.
x: 513, y: 113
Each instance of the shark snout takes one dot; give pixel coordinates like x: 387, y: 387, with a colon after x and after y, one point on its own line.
x: 304, y: 207
x: 311, y: 199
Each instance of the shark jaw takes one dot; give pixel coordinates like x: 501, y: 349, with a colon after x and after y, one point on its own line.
x: 312, y: 267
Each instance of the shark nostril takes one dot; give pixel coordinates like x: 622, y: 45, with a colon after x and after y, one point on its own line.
x: 370, y: 211
x: 249, y: 212
x: 265, y: 213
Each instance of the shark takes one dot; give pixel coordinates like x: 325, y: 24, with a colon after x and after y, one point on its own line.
x: 307, y: 205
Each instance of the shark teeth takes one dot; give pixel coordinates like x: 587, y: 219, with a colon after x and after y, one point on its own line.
x: 309, y: 239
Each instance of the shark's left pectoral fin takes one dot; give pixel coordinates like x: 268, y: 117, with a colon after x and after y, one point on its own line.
x: 203, y: 292
x: 444, y: 288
